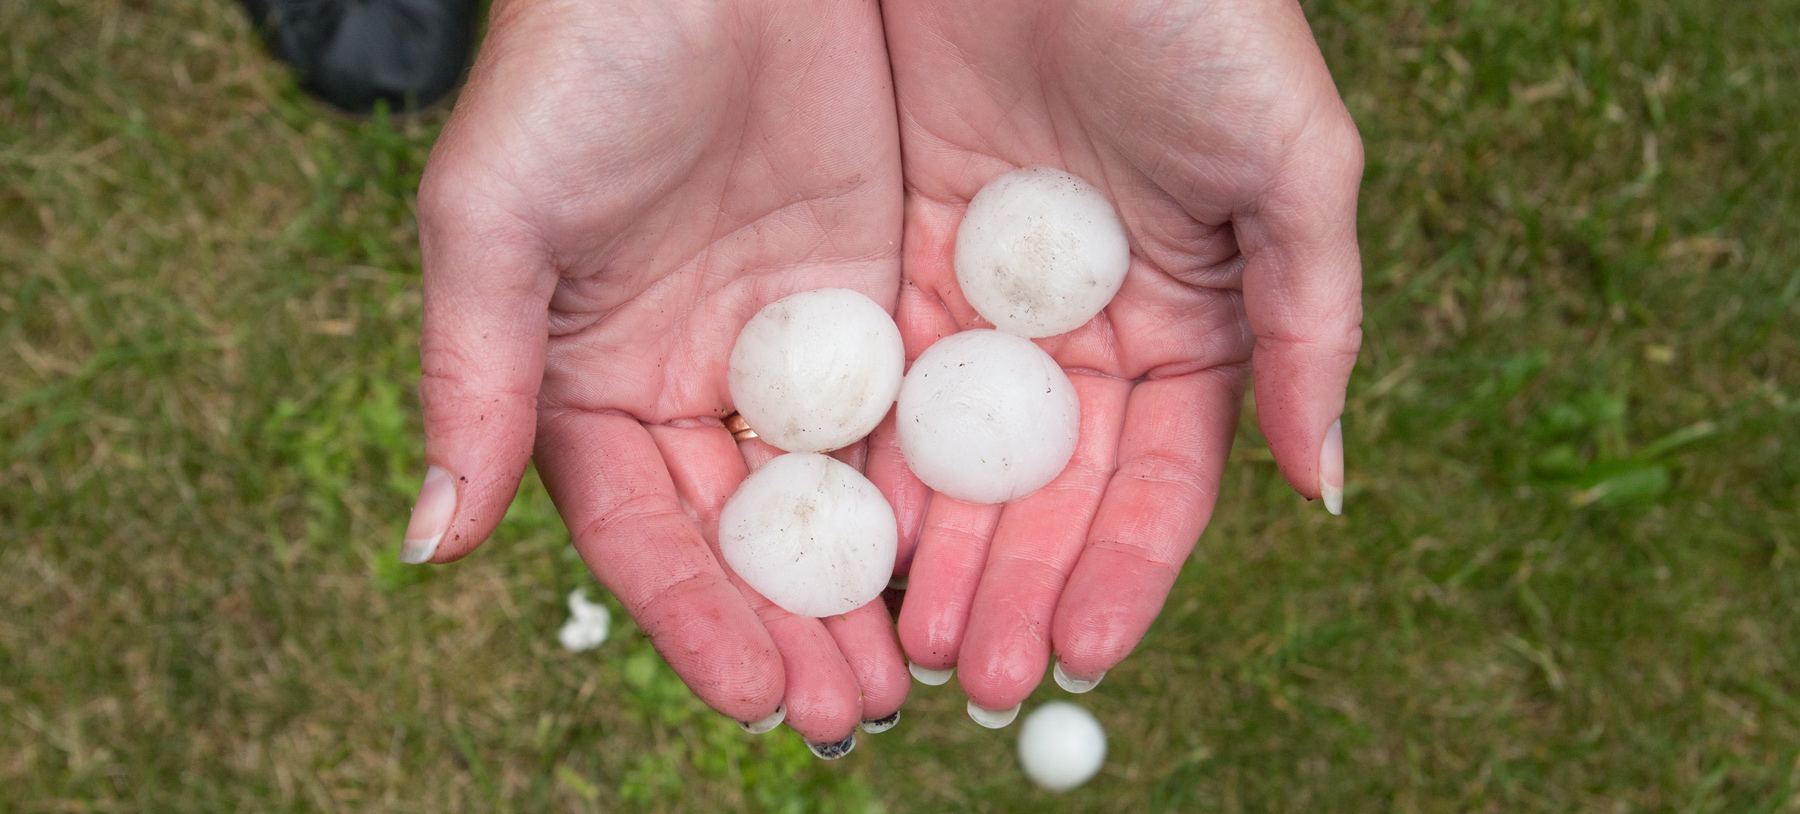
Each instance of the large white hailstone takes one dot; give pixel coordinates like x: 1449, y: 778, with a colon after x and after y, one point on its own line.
x: 987, y: 417
x: 816, y: 371
x: 810, y: 533
x: 1040, y: 252
x: 1061, y: 746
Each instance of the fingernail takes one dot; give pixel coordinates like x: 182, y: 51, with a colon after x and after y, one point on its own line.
x: 431, y: 516
x: 1331, y: 468
x: 931, y: 677
x: 833, y: 751
x: 773, y: 720
x: 1073, y: 684
x: 880, y: 725
x: 993, y: 719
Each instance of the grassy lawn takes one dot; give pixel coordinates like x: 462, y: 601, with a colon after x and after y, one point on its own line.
x: 1568, y: 577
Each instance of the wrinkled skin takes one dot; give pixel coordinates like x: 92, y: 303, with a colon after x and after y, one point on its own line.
x: 621, y: 187
x: 1216, y: 130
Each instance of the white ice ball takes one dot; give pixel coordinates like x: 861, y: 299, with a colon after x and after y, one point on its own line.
x: 1061, y: 746
x: 811, y: 534
x: 1040, y: 252
x: 987, y: 417
x: 588, y: 623
x: 816, y: 371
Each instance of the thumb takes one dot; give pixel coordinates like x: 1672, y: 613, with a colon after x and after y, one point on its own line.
x: 1303, y: 297
x: 488, y: 283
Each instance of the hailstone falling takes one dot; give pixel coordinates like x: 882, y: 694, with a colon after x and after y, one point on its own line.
x: 1061, y: 746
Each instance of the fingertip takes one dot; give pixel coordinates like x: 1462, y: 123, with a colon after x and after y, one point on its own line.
x: 479, y: 442
x: 1004, y: 651
x: 1111, y: 600
x: 928, y: 639
x: 718, y: 647
x: 943, y: 580
x: 1001, y: 685
x: 866, y: 638
x: 823, y: 697
x: 822, y: 713
x: 476, y: 467
x: 1298, y: 405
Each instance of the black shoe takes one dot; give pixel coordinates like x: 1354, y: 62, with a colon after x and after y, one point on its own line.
x: 354, y: 53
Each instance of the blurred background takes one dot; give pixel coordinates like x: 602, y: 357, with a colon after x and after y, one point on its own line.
x: 1567, y: 579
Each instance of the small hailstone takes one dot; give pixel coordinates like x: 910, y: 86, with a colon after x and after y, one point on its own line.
x: 816, y: 371
x: 987, y: 417
x: 1061, y: 746
x: 1040, y: 252
x: 587, y: 625
x: 811, y: 534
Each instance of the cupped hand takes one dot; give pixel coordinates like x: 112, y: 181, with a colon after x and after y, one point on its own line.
x: 1215, y: 129
x: 621, y: 187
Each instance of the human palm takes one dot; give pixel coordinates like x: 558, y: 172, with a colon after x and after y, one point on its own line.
x: 1216, y: 131
x: 619, y: 190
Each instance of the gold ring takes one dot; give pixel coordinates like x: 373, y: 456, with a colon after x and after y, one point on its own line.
x: 739, y: 428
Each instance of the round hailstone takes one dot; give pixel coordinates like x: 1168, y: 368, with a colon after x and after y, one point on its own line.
x: 817, y: 370
x: 1061, y: 746
x: 987, y: 417
x: 811, y: 534
x: 1040, y: 252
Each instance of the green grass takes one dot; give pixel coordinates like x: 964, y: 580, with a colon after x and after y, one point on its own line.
x: 1568, y: 578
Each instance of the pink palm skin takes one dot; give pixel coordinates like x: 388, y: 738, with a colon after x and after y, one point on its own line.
x: 620, y: 188
x: 1215, y: 129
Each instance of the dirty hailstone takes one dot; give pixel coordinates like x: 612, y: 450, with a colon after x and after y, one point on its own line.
x: 987, y: 417
x: 810, y: 533
x: 1040, y: 252
x: 817, y: 370
x: 1061, y: 746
